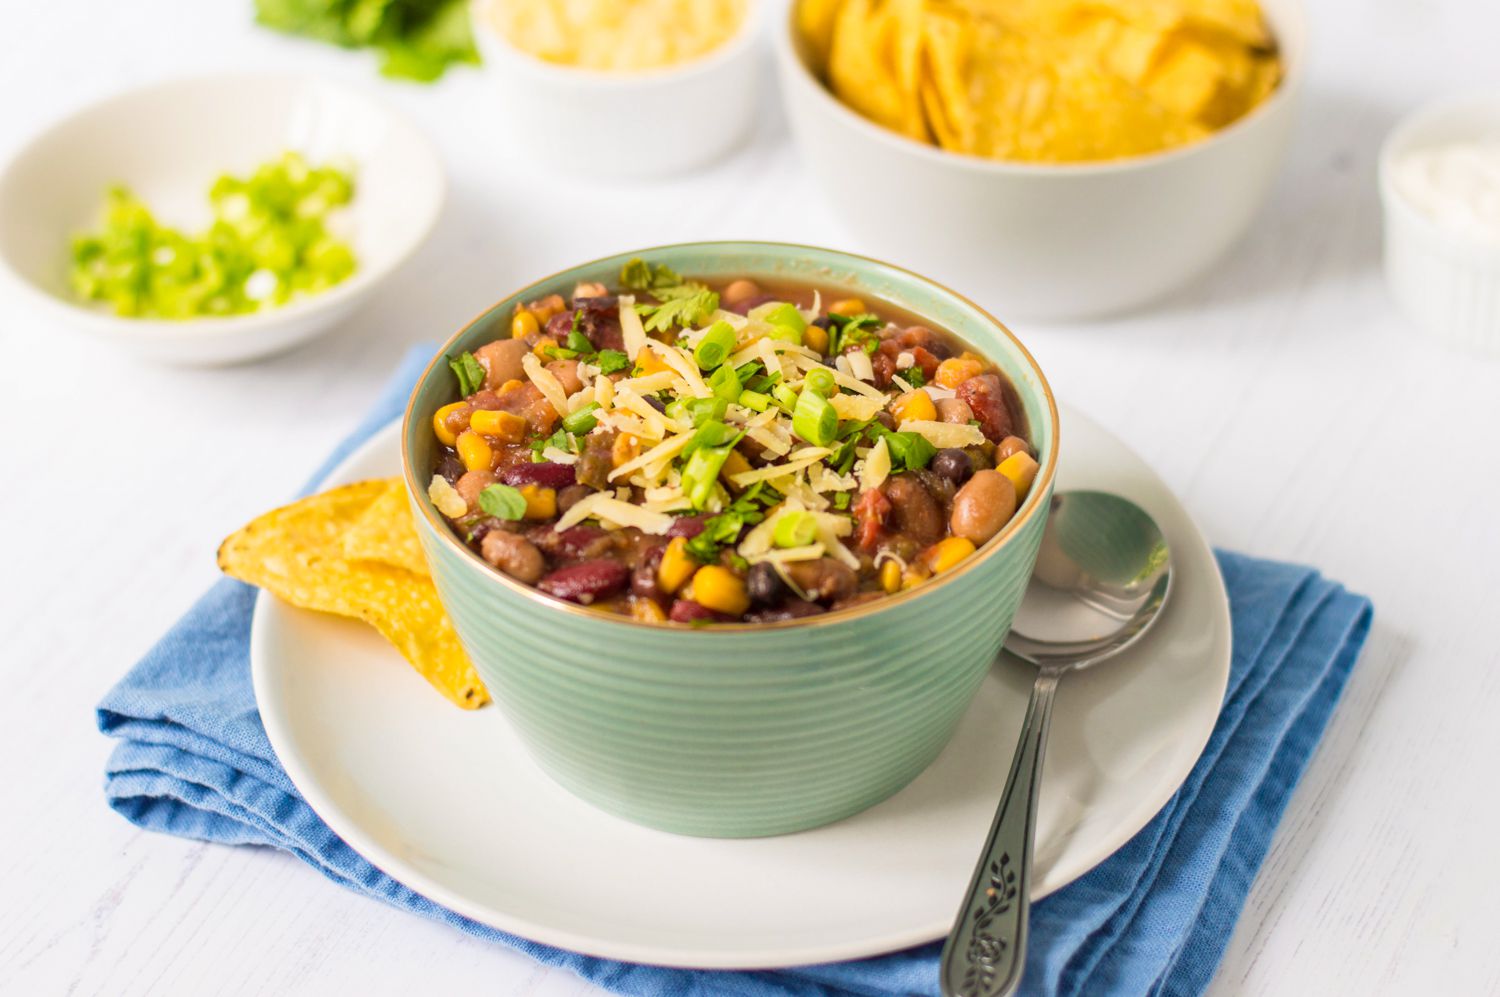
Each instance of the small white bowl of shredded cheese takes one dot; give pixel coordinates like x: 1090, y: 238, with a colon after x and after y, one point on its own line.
x: 623, y: 89
x: 1440, y: 186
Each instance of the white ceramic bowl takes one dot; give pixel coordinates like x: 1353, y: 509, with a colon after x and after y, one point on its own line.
x: 167, y: 143
x: 1447, y: 282
x: 626, y: 125
x: 1045, y: 241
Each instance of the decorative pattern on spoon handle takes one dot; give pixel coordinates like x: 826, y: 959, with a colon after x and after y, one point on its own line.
x: 986, y: 950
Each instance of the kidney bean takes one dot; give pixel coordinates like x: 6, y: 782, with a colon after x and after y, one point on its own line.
x: 501, y: 361
x: 512, y: 554
x: 686, y: 526
x: 955, y: 411
x: 953, y: 464
x: 983, y: 506
x: 574, y: 542
x: 643, y: 580
x: 687, y: 611
x: 765, y: 586
x: 544, y: 473
x: 913, y: 509
x: 587, y: 582
x: 792, y: 609
x: 824, y: 579
x: 471, y: 484
x: 884, y: 365
x: 985, y: 395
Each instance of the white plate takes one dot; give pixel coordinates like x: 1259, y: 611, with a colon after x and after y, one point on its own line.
x: 450, y: 804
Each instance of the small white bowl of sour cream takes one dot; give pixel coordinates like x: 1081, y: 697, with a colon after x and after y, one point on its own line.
x: 1440, y: 187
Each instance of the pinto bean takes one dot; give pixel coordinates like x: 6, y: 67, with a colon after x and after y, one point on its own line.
x: 587, y: 582
x: 824, y: 579
x: 571, y: 495
x: 566, y: 372
x: 954, y: 410
x: 983, y: 506
x: 512, y: 554
x: 1010, y: 445
x: 913, y: 509
x: 501, y: 361
x: 543, y: 473
x: 471, y: 484
x: 740, y: 290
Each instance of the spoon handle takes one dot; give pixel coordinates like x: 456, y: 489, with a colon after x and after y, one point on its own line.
x: 986, y: 950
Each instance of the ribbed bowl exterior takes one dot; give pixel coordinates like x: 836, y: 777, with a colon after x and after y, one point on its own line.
x: 740, y: 731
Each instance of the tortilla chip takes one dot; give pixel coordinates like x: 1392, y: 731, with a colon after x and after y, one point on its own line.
x: 296, y: 553
x: 384, y: 533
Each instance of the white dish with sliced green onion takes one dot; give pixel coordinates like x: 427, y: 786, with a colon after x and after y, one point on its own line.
x: 168, y: 144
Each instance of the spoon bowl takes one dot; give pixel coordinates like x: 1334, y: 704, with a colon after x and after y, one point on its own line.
x: 1102, y: 577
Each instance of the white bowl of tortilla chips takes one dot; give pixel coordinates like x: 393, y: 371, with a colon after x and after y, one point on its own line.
x: 623, y: 89
x: 1054, y: 158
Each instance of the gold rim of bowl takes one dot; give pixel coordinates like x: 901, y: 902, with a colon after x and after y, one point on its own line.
x: 1040, y: 487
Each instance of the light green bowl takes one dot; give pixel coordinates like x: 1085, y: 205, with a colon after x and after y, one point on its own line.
x: 739, y: 730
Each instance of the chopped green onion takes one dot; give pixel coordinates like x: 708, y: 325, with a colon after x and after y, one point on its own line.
x: 701, y: 474
x: 820, y: 379
x: 712, y: 433
x: 796, y: 528
x: 814, y: 419
x: 725, y: 383
x: 582, y: 421
x: 785, y: 397
x: 755, y: 401
x: 781, y: 314
x: 702, y: 410
x: 503, y: 502
x: 715, y: 346
x: 841, y: 500
x: 785, y: 334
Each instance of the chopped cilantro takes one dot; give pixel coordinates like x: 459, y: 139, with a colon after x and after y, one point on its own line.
x: 850, y: 330
x: 908, y: 450
x: 610, y: 361
x: 841, y: 500
x: 558, y: 353
x: 913, y: 376
x: 638, y: 275
x: 470, y: 373
x: 685, y: 311
x: 725, y: 528
x: 503, y: 502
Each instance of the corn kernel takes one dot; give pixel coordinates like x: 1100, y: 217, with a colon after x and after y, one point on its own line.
x: 914, y: 576
x: 734, y: 464
x: 848, y: 306
x: 626, y: 449
x: 914, y: 405
x: 677, y: 566
x: 514, y: 384
x: 440, y: 424
x: 646, y: 611
x: 507, y: 427
x: 721, y: 590
x: 523, y: 325
x: 649, y: 362
x: 542, y: 346
x: 815, y: 338
x: 541, y: 503
x: 956, y: 370
x: 890, y: 576
x: 474, y: 451
x: 946, y: 553
x: 1021, y: 469
x: 544, y: 308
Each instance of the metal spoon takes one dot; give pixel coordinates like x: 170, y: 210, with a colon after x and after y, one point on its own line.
x: 1102, y: 576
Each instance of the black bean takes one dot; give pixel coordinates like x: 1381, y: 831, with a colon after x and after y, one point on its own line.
x: 451, y: 468
x: 765, y: 586
x: 953, y: 464
x: 656, y: 403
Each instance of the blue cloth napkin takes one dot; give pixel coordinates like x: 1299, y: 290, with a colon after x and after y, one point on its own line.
x: 193, y: 760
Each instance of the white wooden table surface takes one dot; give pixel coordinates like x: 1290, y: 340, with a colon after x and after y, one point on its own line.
x: 1282, y: 398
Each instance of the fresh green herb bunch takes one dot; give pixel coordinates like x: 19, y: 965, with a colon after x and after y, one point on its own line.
x: 417, y: 39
